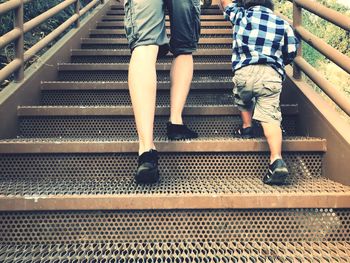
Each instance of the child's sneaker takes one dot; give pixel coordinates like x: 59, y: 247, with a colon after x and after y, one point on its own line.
x: 147, y: 170
x: 179, y: 132
x: 245, y: 133
x: 277, y: 174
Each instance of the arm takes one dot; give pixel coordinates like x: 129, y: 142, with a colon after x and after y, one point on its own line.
x: 291, y: 43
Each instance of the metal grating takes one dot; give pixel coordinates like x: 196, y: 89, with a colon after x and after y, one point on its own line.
x: 179, y: 252
x: 182, y: 173
x: 122, y: 98
x: 150, y: 226
x: 198, y: 76
x: 119, y: 36
x: 124, y: 46
x: 126, y: 59
x: 109, y: 127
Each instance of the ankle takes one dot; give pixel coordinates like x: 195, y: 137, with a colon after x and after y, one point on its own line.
x: 143, y: 149
x: 246, y: 125
x: 274, y: 158
x: 177, y: 121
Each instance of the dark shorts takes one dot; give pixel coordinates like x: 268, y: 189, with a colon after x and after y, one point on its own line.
x: 145, y: 24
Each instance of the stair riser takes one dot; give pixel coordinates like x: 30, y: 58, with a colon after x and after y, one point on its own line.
x: 119, y: 36
x: 119, y: 127
x: 125, y: 46
x: 313, y: 225
x: 122, y: 98
x: 203, y: 76
x: 126, y: 59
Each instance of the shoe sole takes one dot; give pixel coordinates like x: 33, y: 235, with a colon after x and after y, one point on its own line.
x: 278, y: 177
x: 180, y: 137
x: 147, y: 176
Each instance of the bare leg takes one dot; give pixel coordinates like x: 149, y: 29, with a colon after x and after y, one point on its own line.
x: 142, y: 86
x: 181, y: 76
x: 246, y: 119
x: 273, y: 135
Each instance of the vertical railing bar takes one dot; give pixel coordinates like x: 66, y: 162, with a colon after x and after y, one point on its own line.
x: 77, y: 11
x: 297, y: 21
x: 19, y: 43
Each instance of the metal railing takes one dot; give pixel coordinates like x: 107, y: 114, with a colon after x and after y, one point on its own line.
x: 16, y: 35
x: 340, y: 59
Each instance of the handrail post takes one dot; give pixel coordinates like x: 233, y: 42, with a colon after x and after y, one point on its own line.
x: 77, y: 11
x: 297, y: 21
x: 19, y: 43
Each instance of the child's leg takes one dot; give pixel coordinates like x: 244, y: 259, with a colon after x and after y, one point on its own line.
x: 246, y: 118
x: 273, y: 134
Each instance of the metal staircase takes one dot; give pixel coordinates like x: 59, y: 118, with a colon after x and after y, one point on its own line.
x: 67, y: 192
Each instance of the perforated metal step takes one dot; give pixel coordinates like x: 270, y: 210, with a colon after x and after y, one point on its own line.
x: 243, y: 225
x: 130, y: 145
x: 106, y: 181
x: 124, y: 127
x: 115, y: 98
x: 123, y: 85
x: 162, y: 76
x: 198, y: 252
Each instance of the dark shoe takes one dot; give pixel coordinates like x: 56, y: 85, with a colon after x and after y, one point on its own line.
x: 250, y: 132
x: 277, y: 174
x: 245, y: 133
x: 206, y: 3
x: 147, y: 170
x: 179, y: 132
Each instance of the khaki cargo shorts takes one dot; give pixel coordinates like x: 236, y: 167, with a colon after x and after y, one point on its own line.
x: 145, y: 24
x: 258, y: 88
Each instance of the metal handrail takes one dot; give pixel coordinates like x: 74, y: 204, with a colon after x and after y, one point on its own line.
x: 340, y: 59
x: 17, y: 34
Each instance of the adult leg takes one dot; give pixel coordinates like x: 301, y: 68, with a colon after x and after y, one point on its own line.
x: 181, y: 77
x: 142, y: 81
x: 145, y: 29
x: 185, y: 30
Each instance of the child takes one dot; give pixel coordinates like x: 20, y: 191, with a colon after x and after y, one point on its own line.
x: 263, y: 44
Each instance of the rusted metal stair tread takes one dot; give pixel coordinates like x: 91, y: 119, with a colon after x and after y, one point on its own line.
x: 205, y: 31
x: 180, y: 191
x: 204, y: 24
x: 200, y: 252
x: 124, y: 41
x: 128, y: 111
x: 126, y: 52
x: 203, y: 17
x: 130, y: 145
x: 125, y: 66
x: 105, y: 85
x: 211, y: 11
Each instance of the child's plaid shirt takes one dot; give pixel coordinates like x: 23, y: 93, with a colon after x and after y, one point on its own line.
x: 260, y: 37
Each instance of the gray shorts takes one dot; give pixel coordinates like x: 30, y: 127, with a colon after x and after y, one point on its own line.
x: 258, y: 88
x: 145, y: 24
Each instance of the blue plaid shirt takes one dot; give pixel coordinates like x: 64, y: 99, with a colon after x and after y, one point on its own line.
x: 260, y: 37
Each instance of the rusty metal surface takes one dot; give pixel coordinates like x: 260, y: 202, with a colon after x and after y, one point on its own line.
x: 326, y: 86
x: 329, y: 14
x: 120, y: 97
x: 124, y: 67
x: 103, y: 85
x: 246, y: 225
x: 124, y: 127
x: 162, y: 76
x: 320, y: 119
x: 209, y: 144
x: 189, y: 110
x: 200, y: 252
